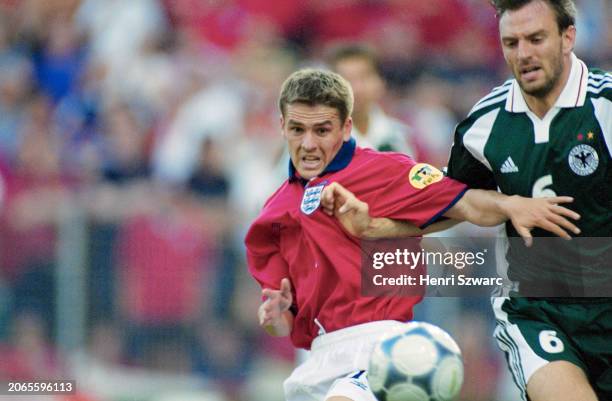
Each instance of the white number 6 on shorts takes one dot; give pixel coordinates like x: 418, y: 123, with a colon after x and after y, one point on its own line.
x: 550, y: 342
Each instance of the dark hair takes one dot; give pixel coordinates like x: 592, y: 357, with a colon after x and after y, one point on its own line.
x: 565, y: 10
x: 351, y: 51
x: 317, y: 87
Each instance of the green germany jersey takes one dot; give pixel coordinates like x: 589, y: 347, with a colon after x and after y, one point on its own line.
x: 503, y: 145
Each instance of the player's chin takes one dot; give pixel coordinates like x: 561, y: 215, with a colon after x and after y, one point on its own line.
x: 537, y: 87
x: 309, y: 173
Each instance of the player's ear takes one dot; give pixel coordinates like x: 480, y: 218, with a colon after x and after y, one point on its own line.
x: 347, y: 128
x: 568, y: 39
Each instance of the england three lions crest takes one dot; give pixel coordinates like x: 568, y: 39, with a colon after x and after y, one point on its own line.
x: 312, y: 198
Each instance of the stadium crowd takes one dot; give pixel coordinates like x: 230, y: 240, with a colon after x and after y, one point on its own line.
x: 144, y: 136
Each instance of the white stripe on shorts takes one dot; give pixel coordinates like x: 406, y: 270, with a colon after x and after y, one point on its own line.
x: 522, y: 360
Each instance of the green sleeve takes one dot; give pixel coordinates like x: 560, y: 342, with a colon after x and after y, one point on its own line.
x: 464, y: 167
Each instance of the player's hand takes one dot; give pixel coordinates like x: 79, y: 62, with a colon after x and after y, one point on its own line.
x: 352, y: 213
x: 545, y: 213
x: 277, y: 303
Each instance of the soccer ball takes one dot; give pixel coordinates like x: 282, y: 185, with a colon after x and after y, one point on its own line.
x: 416, y: 361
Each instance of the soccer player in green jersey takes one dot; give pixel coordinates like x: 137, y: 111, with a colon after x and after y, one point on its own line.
x: 547, y: 132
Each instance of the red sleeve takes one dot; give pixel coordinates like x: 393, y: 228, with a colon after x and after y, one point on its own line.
x: 416, y: 192
x: 264, y: 259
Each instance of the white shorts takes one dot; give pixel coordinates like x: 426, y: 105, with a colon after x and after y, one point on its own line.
x: 336, y: 365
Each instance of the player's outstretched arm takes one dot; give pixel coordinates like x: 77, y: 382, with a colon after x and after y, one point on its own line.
x: 274, y: 315
x: 490, y: 208
x: 354, y: 216
x: 481, y: 207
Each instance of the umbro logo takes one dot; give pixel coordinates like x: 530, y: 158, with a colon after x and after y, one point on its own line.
x: 508, y: 166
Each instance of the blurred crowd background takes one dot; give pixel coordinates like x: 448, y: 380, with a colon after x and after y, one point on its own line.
x: 138, y: 140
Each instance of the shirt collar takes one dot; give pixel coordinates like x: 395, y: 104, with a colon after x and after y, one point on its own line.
x: 573, y: 95
x: 340, y: 161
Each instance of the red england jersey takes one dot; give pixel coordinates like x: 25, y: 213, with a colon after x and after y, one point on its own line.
x: 294, y: 238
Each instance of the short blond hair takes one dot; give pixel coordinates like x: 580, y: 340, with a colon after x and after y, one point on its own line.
x: 317, y: 87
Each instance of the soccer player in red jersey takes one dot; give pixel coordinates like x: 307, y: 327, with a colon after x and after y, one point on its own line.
x: 309, y: 267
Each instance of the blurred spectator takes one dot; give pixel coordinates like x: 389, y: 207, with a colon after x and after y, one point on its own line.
x: 58, y: 58
x: 210, y: 187
x: 15, y: 84
x: 344, y: 20
x: 121, y: 190
x: 149, y: 79
x: 118, y: 31
x: 215, y: 111
x: 208, y: 180
x: 400, y: 51
x: 372, y: 128
x: 35, y: 192
x: 165, y: 260
x: 78, y: 122
x: 3, y: 177
x: 124, y: 152
x: 228, y: 24
x: 426, y: 106
x: 593, y: 24
x: 29, y: 353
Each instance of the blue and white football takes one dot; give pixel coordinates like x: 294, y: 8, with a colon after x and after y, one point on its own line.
x: 416, y: 361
